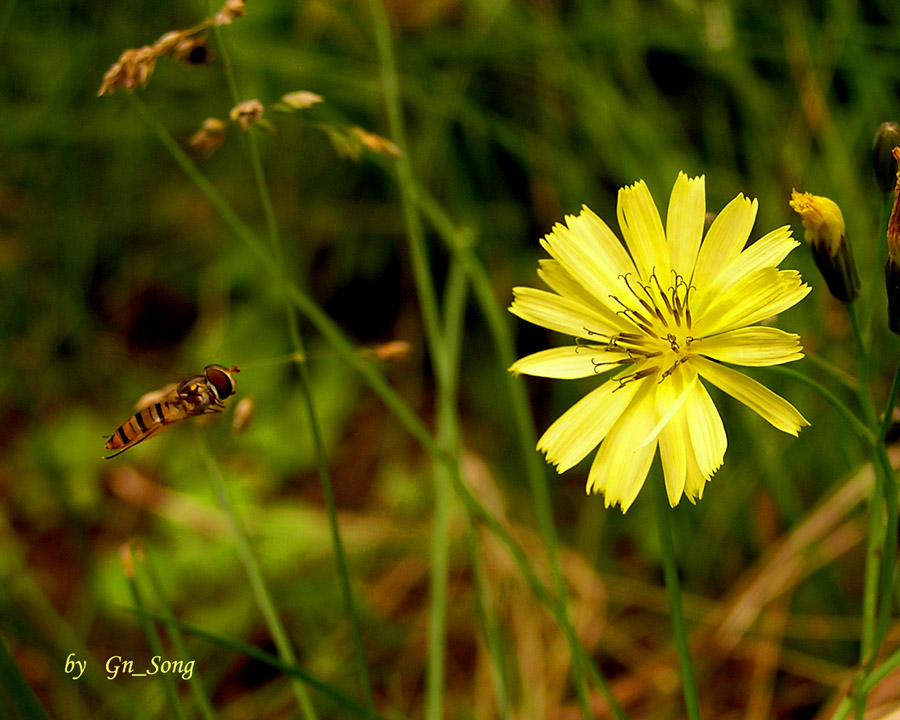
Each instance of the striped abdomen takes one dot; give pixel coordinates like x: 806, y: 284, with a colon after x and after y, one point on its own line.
x: 144, y: 424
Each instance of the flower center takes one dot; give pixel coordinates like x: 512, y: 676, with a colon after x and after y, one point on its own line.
x: 661, y: 336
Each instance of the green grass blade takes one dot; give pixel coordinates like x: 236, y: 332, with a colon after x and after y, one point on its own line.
x: 254, y: 574
x: 154, y: 643
x: 178, y: 643
x: 21, y: 697
x: 289, y: 668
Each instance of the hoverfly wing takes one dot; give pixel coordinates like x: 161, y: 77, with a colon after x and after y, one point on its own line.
x: 155, y: 396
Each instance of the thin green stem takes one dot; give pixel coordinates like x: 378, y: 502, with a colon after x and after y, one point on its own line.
x: 871, y: 572
x: 410, y: 199
x: 881, y: 548
x: 874, y: 538
x: 875, y: 533
x: 881, y: 545
x: 449, y: 437
x: 254, y: 575
x: 863, y: 391
x: 155, y: 644
x: 865, y: 432
x: 440, y: 360
x: 493, y: 638
x: 670, y: 572
x: 536, y: 470
x: 889, y: 553
x: 415, y: 235
x: 839, y: 374
x: 177, y: 639
x: 306, y: 389
x: 289, y: 668
x: 219, y: 203
x: 301, y: 300
x: 334, y: 336
x: 867, y: 684
x: 16, y: 689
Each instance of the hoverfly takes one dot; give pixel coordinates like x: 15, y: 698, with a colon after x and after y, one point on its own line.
x: 196, y: 395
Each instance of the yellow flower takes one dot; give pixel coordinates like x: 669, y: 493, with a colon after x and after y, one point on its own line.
x: 658, y: 313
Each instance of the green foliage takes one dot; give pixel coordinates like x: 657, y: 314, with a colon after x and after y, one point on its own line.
x: 119, y: 274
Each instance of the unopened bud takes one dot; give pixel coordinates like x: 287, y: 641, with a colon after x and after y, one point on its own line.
x: 827, y: 234
x: 887, y: 137
x: 893, y: 227
x: 892, y: 268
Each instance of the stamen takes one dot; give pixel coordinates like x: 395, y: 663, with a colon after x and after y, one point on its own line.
x: 633, y: 315
x: 668, y: 372
x: 665, y: 299
x: 637, y: 375
x: 600, y: 366
x: 649, y: 307
x: 686, y: 303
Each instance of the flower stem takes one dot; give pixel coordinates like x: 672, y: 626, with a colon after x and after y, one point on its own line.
x: 881, y: 547
x: 872, y: 569
x: 889, y: 553
x: 670, y: 572
x: 306, y: 390
x: 443, y: 351
x: 865, y: 396
x: 460, y: 245
x: 154, y: 642
x: 201, y: 698
x: 255, y: 576
x: 859, y: 427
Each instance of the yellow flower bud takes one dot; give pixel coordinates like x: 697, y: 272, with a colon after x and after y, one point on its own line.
x: 826, y: 232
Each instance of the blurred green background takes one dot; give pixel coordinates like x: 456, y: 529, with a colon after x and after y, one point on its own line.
x: 117, y: 276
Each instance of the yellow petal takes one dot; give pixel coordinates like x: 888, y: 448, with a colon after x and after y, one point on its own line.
x: 566, y: 363
x: 706, y: 430
x: 558, y: 280
x: 751, y: 346
x: 591, y: 254
x: 643, y: 231
x: 695, y: 482
x: 558, y: 313
x: 619, y: 470
x: 670, y: 396
x: 724, y: 241
x: 615, y: 252
x: 684, y: 222
x: 584, y: 425
x: 767, y: 252
x: 674, y: 443
x: 761, y: 295
x: 778, y: 411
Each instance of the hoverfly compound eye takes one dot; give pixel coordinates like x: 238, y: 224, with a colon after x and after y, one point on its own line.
x: 221, y: 380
